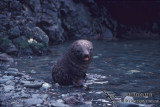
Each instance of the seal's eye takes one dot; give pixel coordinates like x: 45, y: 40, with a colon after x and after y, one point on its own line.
x: 91, y: 49
x: 77, y: 52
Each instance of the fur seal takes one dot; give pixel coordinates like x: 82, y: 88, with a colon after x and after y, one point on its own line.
x: 71, y: 68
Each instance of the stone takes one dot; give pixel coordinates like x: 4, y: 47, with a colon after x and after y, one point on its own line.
x: 14, y: 32
x: 6, y: 58
x: 8, y: 88
x: 24, y: 82
x: 15, y: 73
x: 126, y: 104
x: 13, y: 69
x: 33, y: 101
x: 24, y: 95
x: 74, y: 98
x: 8, y: 77
x: 58, y: 104
x: 9, y: 82
x: 33, y: 71
x: 45, y: 86
x: 3, y: 81
x: 33, y: 85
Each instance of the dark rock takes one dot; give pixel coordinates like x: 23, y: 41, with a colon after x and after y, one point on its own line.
x: 15, y: 73
x: 74, y: 98
x: 14, y: 32
x: 7, y: 46
x: 6, y: 58
x: 37, y: 34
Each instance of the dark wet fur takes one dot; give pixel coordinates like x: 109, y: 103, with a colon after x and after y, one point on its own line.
x: 71, y: 65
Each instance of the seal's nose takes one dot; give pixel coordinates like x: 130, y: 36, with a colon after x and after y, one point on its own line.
x: 85, y: 54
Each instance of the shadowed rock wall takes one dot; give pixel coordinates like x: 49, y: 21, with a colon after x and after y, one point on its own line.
x: 30, y: 26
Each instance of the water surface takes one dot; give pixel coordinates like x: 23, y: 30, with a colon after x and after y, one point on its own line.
x: 117, y: 67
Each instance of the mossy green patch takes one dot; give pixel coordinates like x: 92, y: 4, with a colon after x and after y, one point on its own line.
x: 21, y: 43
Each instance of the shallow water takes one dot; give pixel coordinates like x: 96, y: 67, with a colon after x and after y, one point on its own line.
x: 119, y: 67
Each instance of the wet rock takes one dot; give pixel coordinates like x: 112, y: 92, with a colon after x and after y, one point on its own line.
x: 25, y: 82
x: 15, y: 73
x: 30, y: 79
x: 33, y: 101
x: 45, y: 86
x: 8, y: 88
x: 24, y: 95
x: 3, y: 81
x: 6, y: 58
x: 74, y: 98
x: 33, y: 85
x: 9, y: 82
x: 13, y: 69
x: 8, y: 77
x: 33, y: 71
x: 58, y: 104
x: 124, y: 104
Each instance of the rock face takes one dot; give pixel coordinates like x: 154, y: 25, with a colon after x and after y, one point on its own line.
x: 27, y: 27
x: 71, y: 68
x: 55, y: 21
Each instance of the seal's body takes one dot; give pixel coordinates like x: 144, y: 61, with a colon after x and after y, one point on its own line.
x: 71, y: 68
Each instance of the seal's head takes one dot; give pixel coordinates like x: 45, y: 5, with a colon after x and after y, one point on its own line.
x: 82, y: 50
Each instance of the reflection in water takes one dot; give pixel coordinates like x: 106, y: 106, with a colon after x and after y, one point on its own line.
x: 123, y: 66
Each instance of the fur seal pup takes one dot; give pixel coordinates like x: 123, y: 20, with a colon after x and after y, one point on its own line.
x: 71, y: 68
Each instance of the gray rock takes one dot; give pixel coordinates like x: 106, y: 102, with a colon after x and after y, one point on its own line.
x: 8, y: 77
x: 13, y: 69
x: 24, y: 95
x: 58, y: 104
x: 15, y: 73
x: 3, y: 81
x: 33, y: 101
x: 33, y: 85
x: 6, y: 58
x: 36, y: 95
x: 124, y: 104
x: 33, y: 71
x: 25, y: 82
x: 9, y: 82
x: 8, y: 88
x: 30, y: 79
x: 74, y: 98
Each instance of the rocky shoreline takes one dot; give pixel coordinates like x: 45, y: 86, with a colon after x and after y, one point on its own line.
x: 19, y: 89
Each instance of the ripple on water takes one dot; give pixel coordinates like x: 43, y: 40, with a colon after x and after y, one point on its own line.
x: 140, y: 59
